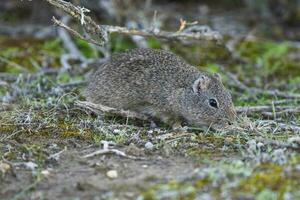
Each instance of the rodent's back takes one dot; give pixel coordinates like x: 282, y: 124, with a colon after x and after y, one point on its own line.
x: 139, y: 76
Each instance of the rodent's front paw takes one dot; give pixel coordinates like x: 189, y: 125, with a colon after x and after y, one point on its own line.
x: 177, y: 127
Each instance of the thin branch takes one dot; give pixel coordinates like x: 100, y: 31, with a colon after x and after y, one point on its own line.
x: 73, y: 32
x: 67, y: 40
x: 64, y: 60
x: 103, y: 30
x: 56, y: 156
x: 210, y: 35
x: 76, y: 12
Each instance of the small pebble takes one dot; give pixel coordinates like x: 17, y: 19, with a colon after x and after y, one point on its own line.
x: 30, y: 165
x: 112, y: 174
x: 150, y: 131
x: 117, y: 131
x: 294, y: 140
x: 228, y: 139
x: 4, y: 167
x: 149, y: 146
x: 260, y: 144
x: 46, y: 173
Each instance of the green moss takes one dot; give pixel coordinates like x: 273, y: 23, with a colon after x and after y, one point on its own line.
x: 53, y: 46
x: 170, y: 190
x: 266, y: 194
x: 266, y: 181
x: 268, y: 59
x: 13, y: 16
x: 86, y: 49
x: 213, y: 68
x: 272, y: 177
x: 28, y: 54
x: 63, y: 77
x: 121, y: 43
x: 34, y: 151
x: 200, y: 183
x: 153, y: 43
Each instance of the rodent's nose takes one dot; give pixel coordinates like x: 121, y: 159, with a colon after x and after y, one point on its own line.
x: 229, y: 123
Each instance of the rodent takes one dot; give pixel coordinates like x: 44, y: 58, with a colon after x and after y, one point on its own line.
x: 163, y: 86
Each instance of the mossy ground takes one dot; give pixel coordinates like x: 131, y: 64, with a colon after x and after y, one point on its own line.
x: 39, y: 119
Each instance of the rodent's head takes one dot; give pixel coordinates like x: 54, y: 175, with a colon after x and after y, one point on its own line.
x: 207, y: 102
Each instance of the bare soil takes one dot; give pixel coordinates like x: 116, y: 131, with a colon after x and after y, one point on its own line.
x: 74, y: 177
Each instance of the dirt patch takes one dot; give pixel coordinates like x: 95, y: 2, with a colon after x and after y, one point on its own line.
x: 72, y: 176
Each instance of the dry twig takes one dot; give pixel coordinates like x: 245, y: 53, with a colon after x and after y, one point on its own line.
x: 110, y: 151
x: 103, y: 30
x: 67, y: 40
x: 107, y: 150
x: 76, y: 12
x: 56, y: 156
x: 213, y: 35
x: 73, y: 32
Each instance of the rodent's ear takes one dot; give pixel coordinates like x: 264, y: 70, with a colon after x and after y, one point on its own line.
x: 217, y: 76
x: 201, y: 84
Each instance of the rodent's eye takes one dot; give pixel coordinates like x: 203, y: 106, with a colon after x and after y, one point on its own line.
x: 213, y: 103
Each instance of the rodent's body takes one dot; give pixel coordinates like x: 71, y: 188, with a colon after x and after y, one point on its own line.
x: 156, y: 83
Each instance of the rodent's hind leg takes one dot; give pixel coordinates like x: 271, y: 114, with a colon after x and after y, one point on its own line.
x: 149, y: 111
x: 155, y: 115
x: 176, y: 125
x: 174, y: 122
x: 153, y: 125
